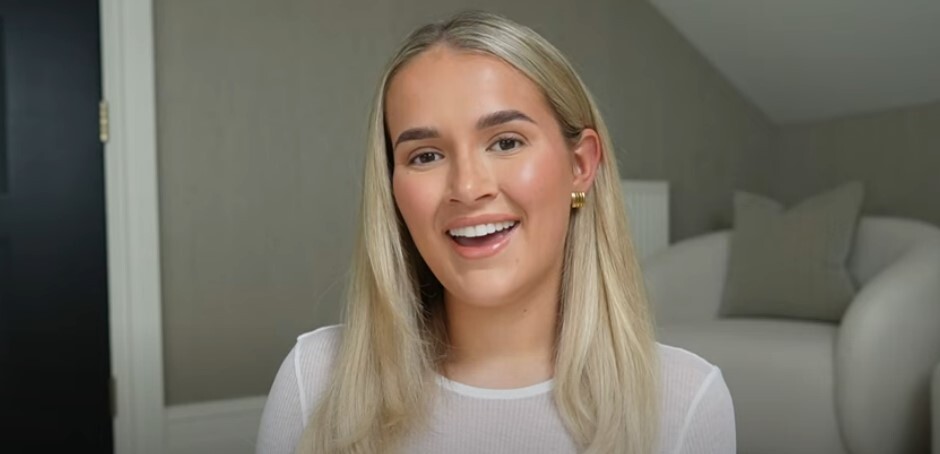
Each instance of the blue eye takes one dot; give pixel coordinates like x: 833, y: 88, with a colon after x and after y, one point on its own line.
x: 425, y: 157
x: 506, y: 144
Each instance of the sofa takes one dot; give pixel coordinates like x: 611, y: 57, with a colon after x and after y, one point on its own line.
x: 860, y: 386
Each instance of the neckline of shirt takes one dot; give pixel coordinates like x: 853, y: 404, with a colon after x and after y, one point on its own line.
x: 492, y: 394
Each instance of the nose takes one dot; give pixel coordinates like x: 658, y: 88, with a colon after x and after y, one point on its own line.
x: 471, y: 179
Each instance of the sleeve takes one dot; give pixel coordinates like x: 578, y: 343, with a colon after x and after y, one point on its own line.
x: 282, y: 419
x: 709, y: 425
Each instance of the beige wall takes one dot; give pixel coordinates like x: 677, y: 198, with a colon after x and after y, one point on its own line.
x: 261, y: 112
x: 674, y: 117
x: 895, y: 153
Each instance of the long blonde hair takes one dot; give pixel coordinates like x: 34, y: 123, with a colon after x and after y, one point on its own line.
x: 606, y: 369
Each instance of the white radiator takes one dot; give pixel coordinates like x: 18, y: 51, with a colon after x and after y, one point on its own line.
x: 647, y: 204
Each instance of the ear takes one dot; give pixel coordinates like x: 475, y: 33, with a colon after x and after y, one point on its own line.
x: 586, y: 157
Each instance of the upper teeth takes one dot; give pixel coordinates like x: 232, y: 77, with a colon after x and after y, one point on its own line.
x: 480, y: 230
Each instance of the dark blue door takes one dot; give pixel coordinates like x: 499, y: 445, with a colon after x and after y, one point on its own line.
x: 54, y: 355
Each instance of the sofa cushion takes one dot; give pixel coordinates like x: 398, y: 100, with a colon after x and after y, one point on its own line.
x: 792, y: 263
x: 781, y: 377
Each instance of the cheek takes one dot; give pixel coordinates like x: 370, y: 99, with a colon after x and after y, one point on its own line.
x: 415, y: 199
x: 540, y: 182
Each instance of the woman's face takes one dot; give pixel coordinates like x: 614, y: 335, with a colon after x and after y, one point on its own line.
x: 482, y: 174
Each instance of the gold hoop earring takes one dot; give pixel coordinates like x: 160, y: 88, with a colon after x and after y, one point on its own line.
x: 577, y: 200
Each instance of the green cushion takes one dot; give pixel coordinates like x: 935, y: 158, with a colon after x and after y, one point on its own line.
x: 792, y: 263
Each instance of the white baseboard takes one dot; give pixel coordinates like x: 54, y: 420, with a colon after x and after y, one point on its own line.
x: 225, y: 426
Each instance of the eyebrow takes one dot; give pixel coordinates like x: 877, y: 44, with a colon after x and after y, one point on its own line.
x: 416, y: 134
x: 500, y: 117
x: 486, y: 121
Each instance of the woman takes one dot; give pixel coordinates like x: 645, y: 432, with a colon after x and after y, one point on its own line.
x: 495, y: 303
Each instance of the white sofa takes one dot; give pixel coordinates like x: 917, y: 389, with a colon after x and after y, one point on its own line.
x: 859, y: 387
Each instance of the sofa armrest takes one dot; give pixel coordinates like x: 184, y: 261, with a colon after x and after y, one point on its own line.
x: 887, y: 347
x: 685, y: 281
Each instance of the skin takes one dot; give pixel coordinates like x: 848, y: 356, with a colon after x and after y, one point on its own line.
x: 501, y: 310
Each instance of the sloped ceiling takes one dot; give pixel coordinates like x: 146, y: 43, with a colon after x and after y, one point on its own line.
x: 803, y: 60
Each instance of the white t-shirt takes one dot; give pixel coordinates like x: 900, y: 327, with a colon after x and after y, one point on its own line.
x: 697, y: 415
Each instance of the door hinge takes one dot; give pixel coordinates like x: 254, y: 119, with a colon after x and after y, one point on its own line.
x: 112, y: 388
x: 104, y: 127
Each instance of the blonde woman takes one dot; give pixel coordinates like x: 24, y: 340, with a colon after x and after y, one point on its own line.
x: 495, y: 303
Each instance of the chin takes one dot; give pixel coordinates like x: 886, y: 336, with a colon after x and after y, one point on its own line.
x: 489, y: 288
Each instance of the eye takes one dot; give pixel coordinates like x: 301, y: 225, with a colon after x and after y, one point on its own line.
x: 506, y: 144
x: 425, y: 157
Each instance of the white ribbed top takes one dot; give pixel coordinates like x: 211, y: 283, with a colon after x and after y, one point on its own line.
x: 696, y: 415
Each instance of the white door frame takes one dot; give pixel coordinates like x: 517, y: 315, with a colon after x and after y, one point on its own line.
x: 133, y: 226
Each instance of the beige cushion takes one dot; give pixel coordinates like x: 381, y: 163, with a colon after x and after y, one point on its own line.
x: 792, y: 263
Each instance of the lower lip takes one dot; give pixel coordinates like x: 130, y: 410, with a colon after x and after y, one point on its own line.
x: 488, y: 249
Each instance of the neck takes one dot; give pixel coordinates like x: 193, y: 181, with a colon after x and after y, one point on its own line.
x: 509, y: 344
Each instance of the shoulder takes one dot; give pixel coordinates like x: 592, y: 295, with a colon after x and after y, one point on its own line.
x: 302, y: 377
x: 685, y: 377
x: 321, y: 339
x: 694, y: 395
x: 313, y: 356
x: 681, y: 368
x: 317, y: 349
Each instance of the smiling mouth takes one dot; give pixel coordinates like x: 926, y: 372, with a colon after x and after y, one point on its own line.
x: 482, y: 235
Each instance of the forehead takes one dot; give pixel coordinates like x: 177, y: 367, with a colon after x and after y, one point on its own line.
x: 444, y: 87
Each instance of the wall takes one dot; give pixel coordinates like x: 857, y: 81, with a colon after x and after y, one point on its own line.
x: 261, y: 109
x: 895, y: 153
x: 676, y: 118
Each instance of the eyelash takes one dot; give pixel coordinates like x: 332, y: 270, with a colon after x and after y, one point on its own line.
x: 516, y: 140
x: 507, y: 137
x: 414, y: 159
